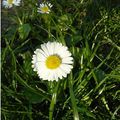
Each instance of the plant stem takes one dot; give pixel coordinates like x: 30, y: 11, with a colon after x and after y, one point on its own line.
x: 75, y: 112
x: 53, y: 101
x: 20, y: 22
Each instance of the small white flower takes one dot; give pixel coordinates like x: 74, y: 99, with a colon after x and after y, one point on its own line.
x: 44, y: 8
x: 52, y: 61
x: 10, y: 3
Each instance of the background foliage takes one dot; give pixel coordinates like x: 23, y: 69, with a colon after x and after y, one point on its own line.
x: 90, y: 28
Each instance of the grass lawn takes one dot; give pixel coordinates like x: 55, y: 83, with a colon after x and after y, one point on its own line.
x: 90, y: 29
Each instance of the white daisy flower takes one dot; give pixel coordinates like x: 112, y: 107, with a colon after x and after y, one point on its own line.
x: 52, y: 61
x: 10, y: 3
x: 44, y: 8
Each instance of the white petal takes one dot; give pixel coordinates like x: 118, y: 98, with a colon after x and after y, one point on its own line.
x: 50, y: 47
x: 45, y: 50
x: 41, y: 51
x: 16, y: 2
x: 66, y: 68
x: 51, y: 76
x: 4, y: 2
x: 60, y: 73
x: 39, y: 55
x: 57, y: 47
x: 67, y: 60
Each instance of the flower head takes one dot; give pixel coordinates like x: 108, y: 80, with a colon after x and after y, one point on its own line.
x: 44, y: 8
x: 10, y: 3
x: 52, y: 61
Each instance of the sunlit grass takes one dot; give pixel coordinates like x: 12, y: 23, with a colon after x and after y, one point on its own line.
x: 90, y: 29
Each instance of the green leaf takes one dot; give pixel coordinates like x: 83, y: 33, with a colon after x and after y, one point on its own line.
x: 33, y: 97
x: 10, y: 33
x: 100, y: 75
x: 24, y: 31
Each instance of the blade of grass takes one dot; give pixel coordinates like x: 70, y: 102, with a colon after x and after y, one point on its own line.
x: 13, y: 55
x: 53, y: 101
x: 106, y: 105
x: 112, y: 43
x: 113, y: 116
x: 39, y: 93
x: 73, y: 100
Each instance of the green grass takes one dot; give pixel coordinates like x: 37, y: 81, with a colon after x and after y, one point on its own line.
x: 91, y: 30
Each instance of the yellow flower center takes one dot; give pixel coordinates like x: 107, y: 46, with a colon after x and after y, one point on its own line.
x: 53, y: 62
x: 45, y: 9
x: 10, y: 1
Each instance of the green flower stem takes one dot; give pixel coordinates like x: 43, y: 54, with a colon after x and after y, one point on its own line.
x: 16, y: 12
x: 74, y: 106
x: 52, y: 105
x: 53, y: 101
x: 47, y: 20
